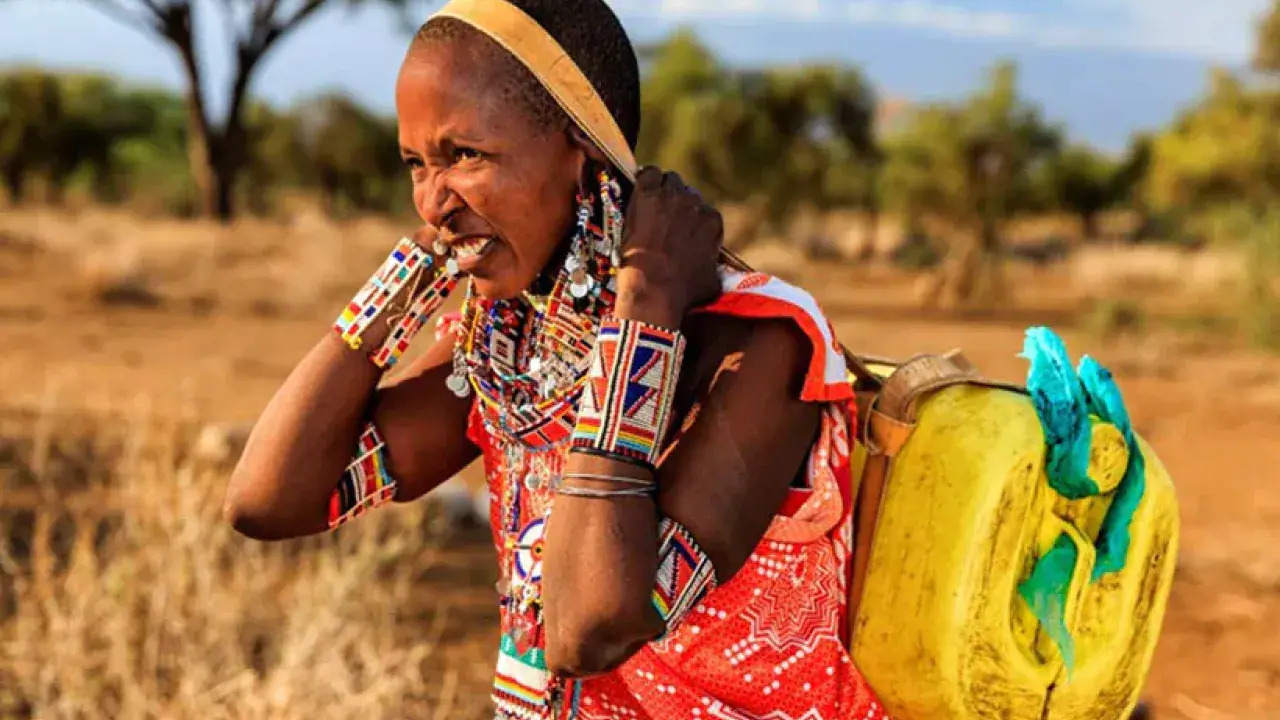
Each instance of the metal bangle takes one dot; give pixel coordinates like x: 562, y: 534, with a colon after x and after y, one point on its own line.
x: 611, y: 478
x: 592, y: 494
x: 616, y: 457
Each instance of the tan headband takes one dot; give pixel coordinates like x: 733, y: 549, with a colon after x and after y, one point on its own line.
x: 525, y: 39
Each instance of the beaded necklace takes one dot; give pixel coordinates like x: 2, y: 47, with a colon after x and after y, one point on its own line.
x: 526, y: 358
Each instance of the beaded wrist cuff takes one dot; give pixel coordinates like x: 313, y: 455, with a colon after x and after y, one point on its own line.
x: 631, y: 382
x: 685, y: 574
x: 366, y: 483
x: 407, y: 267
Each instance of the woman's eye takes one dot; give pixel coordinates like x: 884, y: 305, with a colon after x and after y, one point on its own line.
x: 413, y: 163
x: 463, y: 154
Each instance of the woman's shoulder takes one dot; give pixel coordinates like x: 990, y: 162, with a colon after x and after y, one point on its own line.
x: 756, y: 310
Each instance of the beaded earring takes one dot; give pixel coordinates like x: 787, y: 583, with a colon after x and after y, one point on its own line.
x: 613, y: 220
x: 578, y: 262
x: 551, y: 335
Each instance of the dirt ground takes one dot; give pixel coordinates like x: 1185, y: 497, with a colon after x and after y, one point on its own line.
x: 205, y: 332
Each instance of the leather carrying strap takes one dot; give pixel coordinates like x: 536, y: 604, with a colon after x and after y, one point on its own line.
x: 534, y: 47
x: 887, y: 420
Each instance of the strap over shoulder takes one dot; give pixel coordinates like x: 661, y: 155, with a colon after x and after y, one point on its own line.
x: 758, y: 295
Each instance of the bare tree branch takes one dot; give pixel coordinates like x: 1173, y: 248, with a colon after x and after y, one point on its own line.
x: 264, y: 13
x: 229, y: 24
x: 264, y: 19
x: 309, y: 7
x: 152, y: 6
x: 134, y: 20
x: 219, y: 147
x: 174, y: 20
x: 272, y: 29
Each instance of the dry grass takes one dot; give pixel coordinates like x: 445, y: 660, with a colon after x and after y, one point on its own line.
x: 1105, y: 271
x: 124, y: 595
x: 269, y: 267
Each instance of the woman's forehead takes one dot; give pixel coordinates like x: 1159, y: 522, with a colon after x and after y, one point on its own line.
x: 448, y: 88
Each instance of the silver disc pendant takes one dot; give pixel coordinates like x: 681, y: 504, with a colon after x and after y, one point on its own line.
x: 532, y: 481
x: 579, y: 290
x: 550, y: 385
x: 458, y: 385
x: 451, y: 266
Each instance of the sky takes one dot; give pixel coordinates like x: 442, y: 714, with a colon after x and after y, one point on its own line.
x: 1103, y: 68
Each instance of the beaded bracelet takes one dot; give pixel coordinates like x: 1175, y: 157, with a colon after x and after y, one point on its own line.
x: 411, y: 323
x: 631, y: 382
x: 366, y: 484
x: 408, y: 263
x: 685, y: 574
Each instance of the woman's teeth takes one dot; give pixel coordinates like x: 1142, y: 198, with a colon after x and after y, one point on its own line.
x: 469, y: 249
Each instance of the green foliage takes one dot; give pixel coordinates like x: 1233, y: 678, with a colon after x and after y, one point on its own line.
x: 219, y: 148
x: 1257, y: 232
x: 1224, y: 150
x: 969, y: 167
x: 776, y: 139
x: 1080, y: 181
x: 973, y: 164
x: 31, y: 112
x: 85, y: 129
x: 350, y: 155
x: 1266, y: 56
x: 1130, y: 176
x: 118, y: 144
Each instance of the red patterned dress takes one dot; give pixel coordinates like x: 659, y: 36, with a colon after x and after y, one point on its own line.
x: 768, y: 643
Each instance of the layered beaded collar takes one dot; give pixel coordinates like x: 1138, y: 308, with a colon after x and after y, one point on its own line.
x: 526, y: 358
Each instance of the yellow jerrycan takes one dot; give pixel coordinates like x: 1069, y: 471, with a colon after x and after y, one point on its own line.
x: 978, y: 589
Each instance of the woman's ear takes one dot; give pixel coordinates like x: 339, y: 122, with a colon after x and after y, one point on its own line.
x: 584, y: 143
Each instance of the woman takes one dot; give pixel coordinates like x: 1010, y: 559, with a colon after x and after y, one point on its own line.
x: 689, y: 422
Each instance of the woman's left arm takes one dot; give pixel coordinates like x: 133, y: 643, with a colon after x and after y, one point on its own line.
x: 723, y: 482
x: 725, y: 479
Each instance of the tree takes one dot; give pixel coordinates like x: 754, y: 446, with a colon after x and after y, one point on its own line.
x: 1083, y: 182
x: 86, y: 130
x: 350, y: 153
x: 1266, y: 55
x: 770, y: 141
x: 966, y: 169
x: 279, y: 158
x: 688, y: 106
x: 218, y: 148
x: 815, y: 142
x: 1224, y: 150
x: 31, y: 111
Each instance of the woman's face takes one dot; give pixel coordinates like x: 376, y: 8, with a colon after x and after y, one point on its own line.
x: 496, y: 183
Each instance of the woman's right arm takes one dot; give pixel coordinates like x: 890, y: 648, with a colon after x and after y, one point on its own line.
x: 301, y: 446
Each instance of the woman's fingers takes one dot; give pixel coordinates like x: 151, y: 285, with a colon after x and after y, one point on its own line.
x: 649, y: 178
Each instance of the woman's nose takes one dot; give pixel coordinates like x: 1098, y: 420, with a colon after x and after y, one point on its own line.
x: 439, y: 202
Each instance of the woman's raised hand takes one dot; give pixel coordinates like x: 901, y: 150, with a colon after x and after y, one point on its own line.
x: 670, y: 249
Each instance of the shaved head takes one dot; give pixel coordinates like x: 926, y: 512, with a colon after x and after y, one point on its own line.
x: 591, y: 35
